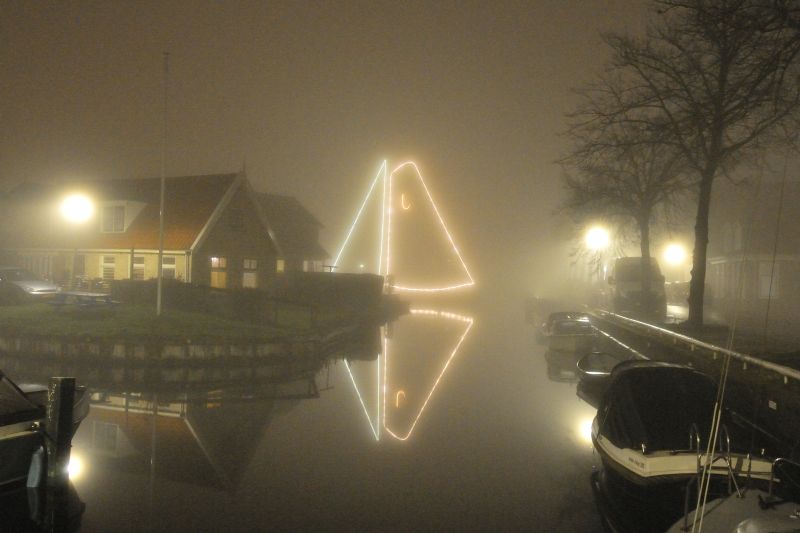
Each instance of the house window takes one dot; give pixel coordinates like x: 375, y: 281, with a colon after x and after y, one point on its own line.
x: 113, y: 219
x: 219, y: 277
x: 280, y: 266
x: 168, y: 266
x: 249, y: 275
x: 768, y: 283
x: 138, y: 267
x: 107, y: 266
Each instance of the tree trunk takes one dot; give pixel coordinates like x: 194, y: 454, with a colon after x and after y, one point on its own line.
x: 697, y: 285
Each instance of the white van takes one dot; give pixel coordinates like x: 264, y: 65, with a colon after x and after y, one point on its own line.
x: 627, y: 296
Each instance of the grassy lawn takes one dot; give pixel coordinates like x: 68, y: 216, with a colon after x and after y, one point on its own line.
x: 137, y: 323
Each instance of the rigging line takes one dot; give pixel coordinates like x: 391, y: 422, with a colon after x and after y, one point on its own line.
x: 775, y: 249
x: 361, y: 400
x: 382, y: 168
x: 705, y: 480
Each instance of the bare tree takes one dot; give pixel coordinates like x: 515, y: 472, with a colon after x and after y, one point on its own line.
x: 715, y: 79
x: 622, y: 176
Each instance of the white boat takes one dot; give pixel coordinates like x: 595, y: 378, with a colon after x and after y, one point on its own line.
x: 754, y: 510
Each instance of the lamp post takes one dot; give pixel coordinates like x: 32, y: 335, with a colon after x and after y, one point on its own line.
x: 76, y: 209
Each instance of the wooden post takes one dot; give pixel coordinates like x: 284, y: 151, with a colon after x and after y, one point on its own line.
x: 58, y: 441
x: 58, y: 427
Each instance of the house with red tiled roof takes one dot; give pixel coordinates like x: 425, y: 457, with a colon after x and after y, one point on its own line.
x: 215, y: 232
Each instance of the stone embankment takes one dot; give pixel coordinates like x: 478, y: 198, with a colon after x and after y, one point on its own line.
x: 111, y: 365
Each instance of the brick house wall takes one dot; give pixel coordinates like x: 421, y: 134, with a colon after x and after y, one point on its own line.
x: 237, y: 235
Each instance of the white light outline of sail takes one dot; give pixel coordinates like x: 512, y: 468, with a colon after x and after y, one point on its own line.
x: 381, y: 170
x: 444, y: 227
x: 375, y: 428
x: 453, y: 316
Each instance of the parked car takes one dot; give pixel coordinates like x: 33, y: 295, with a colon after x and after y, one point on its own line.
x: 27, y: 281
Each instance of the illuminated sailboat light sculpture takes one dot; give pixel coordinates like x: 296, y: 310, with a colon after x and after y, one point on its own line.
x: 391, y: 201
x: 391, y: 192
x: 379, y: 421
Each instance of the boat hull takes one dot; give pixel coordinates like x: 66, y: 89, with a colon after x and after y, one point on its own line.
x: 18, y: 442
x: 571, y: 343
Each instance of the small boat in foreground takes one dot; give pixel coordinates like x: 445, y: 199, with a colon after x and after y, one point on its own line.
x: 22, y: 414
x: 651, y: 433
x: 770, y: 509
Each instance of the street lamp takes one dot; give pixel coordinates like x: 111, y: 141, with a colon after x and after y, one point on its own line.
x: 674, y: 254
x: 597, y: 238
x: 76, y: 209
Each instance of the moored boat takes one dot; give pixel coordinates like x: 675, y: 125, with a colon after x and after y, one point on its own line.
x: 770, y: 509
x: 651, y: 432
x: 21, y: 417
x: 569, y: 331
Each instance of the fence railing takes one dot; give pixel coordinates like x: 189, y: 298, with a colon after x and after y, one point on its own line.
x: 694, y: 344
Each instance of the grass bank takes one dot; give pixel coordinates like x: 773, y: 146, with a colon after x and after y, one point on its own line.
x: 137, y: 323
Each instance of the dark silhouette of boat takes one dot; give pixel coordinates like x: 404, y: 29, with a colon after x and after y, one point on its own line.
x: 22, y: 413
x: 651, y: 432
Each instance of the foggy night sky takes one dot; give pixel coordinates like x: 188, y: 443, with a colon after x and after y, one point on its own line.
x: 313, y: 96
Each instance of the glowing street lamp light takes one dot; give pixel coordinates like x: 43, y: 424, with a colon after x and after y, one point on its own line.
x: 597, y: 238
x: 77, y: 208
x: 675, y: 254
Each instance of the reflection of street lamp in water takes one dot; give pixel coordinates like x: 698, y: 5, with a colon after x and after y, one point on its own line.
x: 76, y: 209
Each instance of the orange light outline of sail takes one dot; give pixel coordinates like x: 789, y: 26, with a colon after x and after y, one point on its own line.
x: 444, y: 227
x: 453, y: 316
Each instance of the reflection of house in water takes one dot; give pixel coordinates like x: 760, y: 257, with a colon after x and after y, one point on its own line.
x: 395, y: 390
x: 208, y: 441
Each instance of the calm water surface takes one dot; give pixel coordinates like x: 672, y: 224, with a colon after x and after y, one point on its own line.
x: 469, y: 433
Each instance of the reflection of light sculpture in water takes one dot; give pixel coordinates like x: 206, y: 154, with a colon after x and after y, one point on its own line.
x: 384, y: 377
x: 384, y: 237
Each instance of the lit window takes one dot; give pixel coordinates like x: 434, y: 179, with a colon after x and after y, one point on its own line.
x: 250, y: 264
x: 107, y: 266
x: 249, y: 279
x: 113, y: 219
x: 219, y: 278
x: 138, y: 267
x: 168, y: 266
x: 280, y: 266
